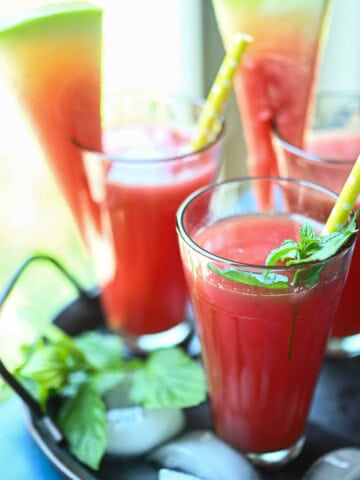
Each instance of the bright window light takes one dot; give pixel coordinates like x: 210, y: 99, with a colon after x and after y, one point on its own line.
x: 153, y: 44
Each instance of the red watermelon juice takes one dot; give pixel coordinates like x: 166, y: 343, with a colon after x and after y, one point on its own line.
x: 262, y: 347
x: 146, y: 173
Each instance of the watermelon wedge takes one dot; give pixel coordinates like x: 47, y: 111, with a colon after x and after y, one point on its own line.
x: 50, y: 59
x: 276, y: 79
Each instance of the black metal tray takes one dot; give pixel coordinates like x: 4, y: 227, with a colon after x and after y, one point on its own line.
x: 334, y: 420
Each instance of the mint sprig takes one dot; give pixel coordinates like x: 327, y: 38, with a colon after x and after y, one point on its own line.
x: 82, y: 369
x: 310, y: 248
x: 267, y: 280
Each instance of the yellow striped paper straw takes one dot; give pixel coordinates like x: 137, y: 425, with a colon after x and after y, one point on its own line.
x: 346, y: 200
x: 220, y: 92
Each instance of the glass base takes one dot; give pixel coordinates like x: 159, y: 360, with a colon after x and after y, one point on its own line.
x: 278, y: 458
x: 342, y: 347
x: 169, y: 338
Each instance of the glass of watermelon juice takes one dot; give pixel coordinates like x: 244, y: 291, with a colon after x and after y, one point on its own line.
x: 263, y: 335
x: 144, y: 170
x: 331, y: 146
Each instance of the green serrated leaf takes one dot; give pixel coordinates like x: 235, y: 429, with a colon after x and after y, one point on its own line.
x: 36, y: 390
x: 82, y: 420
x: 74, y: 381
x: 169, y: 378
x: 269, y: 280
x: 312, y: 248
x: 288, y: 249
x: 307, y: 231
x: 106, y: 380
x: 308, y: 276
x: 100, y: 350
x: 47, y: 366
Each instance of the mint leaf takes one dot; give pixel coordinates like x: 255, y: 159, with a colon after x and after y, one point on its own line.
x: 307, y: 232
x: 106, y: 380
x: 36, y: 390
x: 169, y: 378
x: 47, y: 366
x: 308, y: 276
x: 80, y: 370
x: 74, y: 382
x: 288, y: 249
x: 100, y: 350
x: 312, y: 248
x: 82, y: 420
x: 268, y: 280
x: 321, y: 247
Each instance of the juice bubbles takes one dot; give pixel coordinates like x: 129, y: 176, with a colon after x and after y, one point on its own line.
x: 330, y: 148
x: 262, y: 346
x: 138, y: 181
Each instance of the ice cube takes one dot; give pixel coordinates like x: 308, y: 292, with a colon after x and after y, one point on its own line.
x: 341, y: 464
x: 203, y: 454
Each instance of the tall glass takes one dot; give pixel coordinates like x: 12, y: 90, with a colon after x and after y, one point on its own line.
x: 262, y: 344
x: 145, y: 169
x: 331, y: 145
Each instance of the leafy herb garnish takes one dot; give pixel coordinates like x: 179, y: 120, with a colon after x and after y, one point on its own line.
x: 310, y: 248
x: 82, y: 369
x: 269, y: 280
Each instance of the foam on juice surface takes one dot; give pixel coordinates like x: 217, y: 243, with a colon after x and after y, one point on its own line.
x: 148, y: 144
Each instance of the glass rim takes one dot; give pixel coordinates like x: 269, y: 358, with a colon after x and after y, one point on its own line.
x: 241, y: 265
x: 322, y: 94
x: 291, y: 148
x: 148, y: 95
x: 335, y: 93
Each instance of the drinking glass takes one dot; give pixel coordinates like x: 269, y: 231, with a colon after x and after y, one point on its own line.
x: 331, y: 146
x: 263, y: 330
x: 144, y: 170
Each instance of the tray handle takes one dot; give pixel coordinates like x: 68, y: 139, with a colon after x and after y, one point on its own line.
x: 28, y: 399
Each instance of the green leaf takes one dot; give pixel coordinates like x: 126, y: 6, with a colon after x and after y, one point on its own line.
x: 37, y: 390
x: 82, y: 420
x: 288, y: 249
x: 47, y: 366
x: 106, y: 380
x: 269, y: 280
x: 169, y: 378
x: 312, y: 248
x: 100, y: 350
x: 308, y: 276
x: 307, y: 232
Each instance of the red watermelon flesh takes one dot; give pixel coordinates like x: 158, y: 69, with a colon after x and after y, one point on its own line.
x: 50, y: 59
x: 276, y: 79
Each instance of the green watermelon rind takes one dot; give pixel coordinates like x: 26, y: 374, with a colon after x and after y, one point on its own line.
x: 19, y: 24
